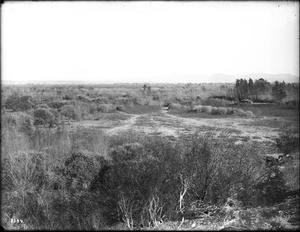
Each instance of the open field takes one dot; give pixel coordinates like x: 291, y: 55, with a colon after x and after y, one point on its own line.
x: 151, y: 160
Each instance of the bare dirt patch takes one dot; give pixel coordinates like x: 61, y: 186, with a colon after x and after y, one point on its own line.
x: 165, y: 124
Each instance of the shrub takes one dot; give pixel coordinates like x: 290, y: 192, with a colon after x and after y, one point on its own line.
x: 92, y: 108
x: 291, y: 173
x: 218, y: 111
x: 80, y: 169
x: 230, y: 111
x: 122, y: 100
x: 216, y: 102
x: 24, y: 177
x: 215, y: 111
x: 83, y: 98
x: 105, y: 108
x: 198, y: 107
x: 81, y: 109
x: 120, y: 108
x: 126, y: 152
x: 24, y: 168
x: 43, y: 117
x: 57, y: 104
x: 19, y: 120
x: 67, y: 97
x: 175, y: 106
x: 17, y: 102
x: 288, y: 140
x: 239, y: 112
x: 103, y: 100
x: 249, y: 114
x: 26, y: 123
x: 206, y: 109
x: 68, y: 111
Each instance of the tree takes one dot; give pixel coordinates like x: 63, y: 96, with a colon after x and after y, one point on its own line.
x: 145, y: 87
x: 279, y: 90
x: 260, y: 86
x: 241, y: 89
x: 251, y: 87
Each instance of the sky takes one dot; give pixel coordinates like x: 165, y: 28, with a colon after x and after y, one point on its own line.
x: 146, y: 41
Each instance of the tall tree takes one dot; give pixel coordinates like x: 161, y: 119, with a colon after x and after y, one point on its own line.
x: 279, y: 90
x: 250, y: 87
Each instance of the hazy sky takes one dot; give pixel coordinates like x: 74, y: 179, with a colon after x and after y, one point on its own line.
x: 140, y: 41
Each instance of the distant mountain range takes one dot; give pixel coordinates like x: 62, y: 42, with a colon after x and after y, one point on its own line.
x: 177, y: 78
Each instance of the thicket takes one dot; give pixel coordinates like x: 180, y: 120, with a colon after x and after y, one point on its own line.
x: 17, y: 102
x: 43, y: 116
x: 136, y: 179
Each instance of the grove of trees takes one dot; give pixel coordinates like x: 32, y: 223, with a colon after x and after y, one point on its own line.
x: 250, y: 89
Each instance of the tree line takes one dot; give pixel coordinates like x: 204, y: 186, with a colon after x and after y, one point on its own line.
x: 250, y: 89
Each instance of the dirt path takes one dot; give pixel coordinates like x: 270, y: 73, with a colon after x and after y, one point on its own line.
x: 127, y: 125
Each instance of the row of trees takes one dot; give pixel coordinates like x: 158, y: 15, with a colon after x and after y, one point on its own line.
x: 253, y: 89
x: 250, y: 89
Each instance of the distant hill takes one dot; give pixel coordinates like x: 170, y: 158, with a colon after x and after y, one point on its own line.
x: 173, y: 78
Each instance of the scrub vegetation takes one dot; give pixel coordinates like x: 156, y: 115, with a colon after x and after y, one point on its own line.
x: 159, y: 156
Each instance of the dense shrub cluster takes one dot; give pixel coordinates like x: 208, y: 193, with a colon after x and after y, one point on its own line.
x: 18, y: 102
x: 43, y: 116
